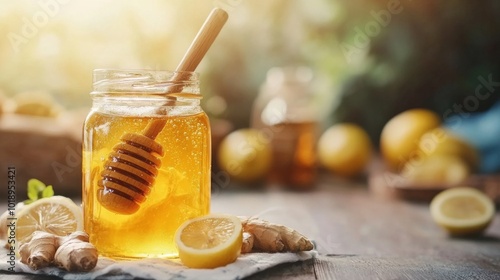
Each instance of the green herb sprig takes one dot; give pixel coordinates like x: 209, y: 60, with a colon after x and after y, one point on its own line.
x: 37, y: 190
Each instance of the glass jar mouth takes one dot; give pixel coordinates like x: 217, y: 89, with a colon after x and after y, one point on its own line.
x: 137, y: 81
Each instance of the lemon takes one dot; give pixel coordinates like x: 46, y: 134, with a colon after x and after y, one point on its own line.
x: 400, y: 136
x: 344, y: 149
x: 245, y: 154
x: 57, y: 214
x: 209, y: 241
x: 436, y: 169
x: 439, y: 141
x: 462, y: 211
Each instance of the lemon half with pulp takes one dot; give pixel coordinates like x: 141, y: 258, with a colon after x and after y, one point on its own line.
x: 57, y: 215
x: 462, y: 211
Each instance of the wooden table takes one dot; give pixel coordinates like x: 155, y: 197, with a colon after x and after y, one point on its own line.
x: 361, y: 236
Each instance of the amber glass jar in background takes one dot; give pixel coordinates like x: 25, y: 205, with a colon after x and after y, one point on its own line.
x: 125, y: 102
x: 284, y: 111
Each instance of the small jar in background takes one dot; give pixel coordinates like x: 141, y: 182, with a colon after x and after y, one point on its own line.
x: 284, y: 111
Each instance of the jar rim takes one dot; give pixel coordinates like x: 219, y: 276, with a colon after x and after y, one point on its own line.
x: 144, y: 80
x: 129, y: 70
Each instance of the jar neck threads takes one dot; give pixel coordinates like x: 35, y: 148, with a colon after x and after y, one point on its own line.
x: 145, y: 81
x: 146, y: 92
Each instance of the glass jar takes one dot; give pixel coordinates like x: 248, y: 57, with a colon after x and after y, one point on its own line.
x: 136, y: 193
x: 284, y: 110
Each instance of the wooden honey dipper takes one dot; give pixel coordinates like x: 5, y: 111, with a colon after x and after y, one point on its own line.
x: 130, y: 170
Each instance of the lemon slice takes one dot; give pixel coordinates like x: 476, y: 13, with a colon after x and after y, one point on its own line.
x: 57, y: 214
x: 209, y: 241
x: 462, y: 211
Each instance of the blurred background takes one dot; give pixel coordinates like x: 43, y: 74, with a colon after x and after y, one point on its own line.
x: 366, y: 61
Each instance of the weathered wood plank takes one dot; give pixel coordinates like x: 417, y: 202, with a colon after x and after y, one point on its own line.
x: 295, y: 271
x: 420, y: 268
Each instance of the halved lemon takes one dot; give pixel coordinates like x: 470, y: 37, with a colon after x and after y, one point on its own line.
x: 57, y: 214
x: 462, y: 211
x: 209, y: 241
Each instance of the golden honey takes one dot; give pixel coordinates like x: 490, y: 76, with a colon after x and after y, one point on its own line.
x: 181, y: 189
x: 285, y: 111
x: 294, y: 156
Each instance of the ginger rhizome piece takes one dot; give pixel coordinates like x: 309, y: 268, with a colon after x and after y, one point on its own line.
x: 75, y: 253
x: 263, y: 236
x: 72, y: 252
x: 247, y: 245
x: 40, y: 251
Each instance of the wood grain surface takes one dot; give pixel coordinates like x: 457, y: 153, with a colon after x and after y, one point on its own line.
x: 360, y: 235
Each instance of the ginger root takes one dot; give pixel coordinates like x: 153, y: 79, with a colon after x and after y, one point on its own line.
x: 247, y: 244
x: 72, y: 252
x: 39, y: 252
x: 75, y: 253
x: 263, y: 236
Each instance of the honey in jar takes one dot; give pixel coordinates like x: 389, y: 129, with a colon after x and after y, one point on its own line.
x: 286, y: 115
x: 126, y: 102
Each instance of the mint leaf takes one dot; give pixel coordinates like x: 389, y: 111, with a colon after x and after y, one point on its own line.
x: 37, y: 189
x: 27, y: 201
x: 34, y: 188
x: 48, y: 192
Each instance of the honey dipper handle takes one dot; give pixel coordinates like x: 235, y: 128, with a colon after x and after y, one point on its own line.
x: 203, y: 40
x: 154, y: 128
x: 199, y: 47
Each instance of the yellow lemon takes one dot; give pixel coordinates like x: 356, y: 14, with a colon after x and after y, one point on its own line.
x: 436, y: 169
x: 245, y: 154
x: 439, y: 141
x: 344, y: 149
x: 209, y: 241
x: 400, y: 136
x: 57, y: 214
x: 462, y: 211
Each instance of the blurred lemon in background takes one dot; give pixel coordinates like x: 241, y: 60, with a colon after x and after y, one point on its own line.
x: 245, y: 154
x: 441, y: 158
x: 401, y: 135
x: 462, y: 211
x: 345, y: 149
x: 440, y: 141
x: 36, y: 103
x: 437, y: 169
